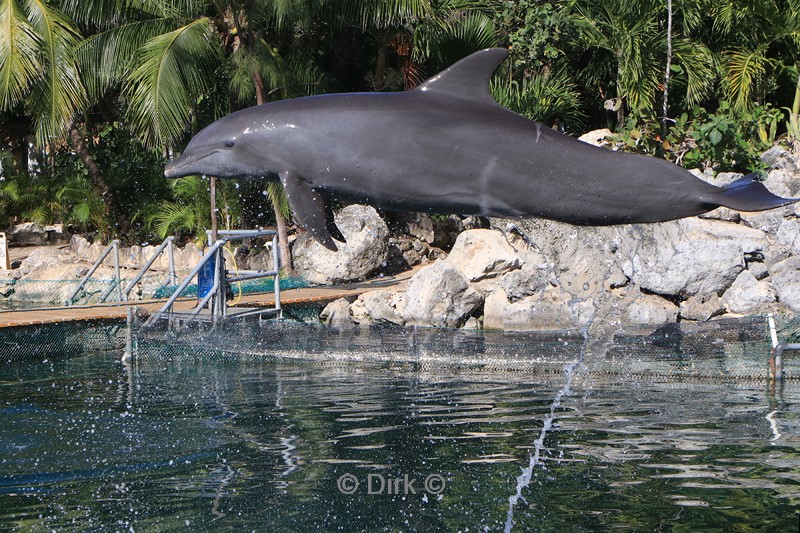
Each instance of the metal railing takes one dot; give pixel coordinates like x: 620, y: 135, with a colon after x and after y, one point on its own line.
x: 215, y: 299
x: 116, y: 283
x: 112, y: 246
x: 776, y: 355
x: 169, y: 245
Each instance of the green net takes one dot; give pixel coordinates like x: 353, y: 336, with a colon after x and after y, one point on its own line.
x: 254, y: 286
x: 31, y: 293
x: 65, y: 339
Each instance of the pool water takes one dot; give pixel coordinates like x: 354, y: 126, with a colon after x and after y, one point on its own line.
x: 246, y: 443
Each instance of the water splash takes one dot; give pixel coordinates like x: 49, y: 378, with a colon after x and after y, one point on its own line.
x: 524, y: 478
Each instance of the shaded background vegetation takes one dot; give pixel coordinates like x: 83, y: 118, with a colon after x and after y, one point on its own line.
x: 96, y: 96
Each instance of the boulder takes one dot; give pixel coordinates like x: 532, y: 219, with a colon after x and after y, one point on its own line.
x: 550, y: 309
x: 337, y: 314
x: 785, y: 277
x: 28, y: 233
x: 439, y: 295
x: 788, y: 237
x: 597, y: 137
x: 649, y: 309
x: 723, y: 213
x: 783, y: 177
x: 260, y: 259
x: 692, y: 256
x: 481, y: 254
x: 79, y: 246
x: 747, y: 294
x: 702, y: 307
x: 440, y: 232
x: 767, y: 221
x: 379, y: 307
x: 364, y: 251
x: 42, y: 259
x: 56, y: 235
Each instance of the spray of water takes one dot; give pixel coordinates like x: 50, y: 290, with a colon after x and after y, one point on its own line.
x: 524, y: 478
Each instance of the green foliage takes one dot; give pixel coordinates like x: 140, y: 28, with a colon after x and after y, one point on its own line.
x: 727, y: 140
x: 189, y: 214
x: 537, y: 31
x: 37, y: 66
x: 164, y: 69
x: 551, y: 99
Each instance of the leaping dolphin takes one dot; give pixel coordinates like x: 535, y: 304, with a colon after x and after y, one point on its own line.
x: 447, y: 147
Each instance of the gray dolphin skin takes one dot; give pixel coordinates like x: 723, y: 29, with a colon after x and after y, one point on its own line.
x: 447, y: 147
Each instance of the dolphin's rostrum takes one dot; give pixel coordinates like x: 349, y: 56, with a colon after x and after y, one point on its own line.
x: 447, y: 147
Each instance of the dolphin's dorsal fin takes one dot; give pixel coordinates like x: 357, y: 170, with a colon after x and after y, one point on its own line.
x: 469, y: 78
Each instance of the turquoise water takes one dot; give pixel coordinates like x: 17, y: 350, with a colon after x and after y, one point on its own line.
x: 243, y: 443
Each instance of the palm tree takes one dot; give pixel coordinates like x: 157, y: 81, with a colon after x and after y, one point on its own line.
x: 167, y: 61
x: 763, y: 42
x: 40, y: 78
x: 628, y: 35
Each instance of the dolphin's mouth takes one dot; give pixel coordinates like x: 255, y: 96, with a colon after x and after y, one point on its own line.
x: 180, y: 166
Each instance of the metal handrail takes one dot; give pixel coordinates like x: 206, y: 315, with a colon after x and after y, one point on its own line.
x: 168, y: 242
x: 219, y: 304
x: 185, y: 283
x: 776, y: 358
x: 113, y: 245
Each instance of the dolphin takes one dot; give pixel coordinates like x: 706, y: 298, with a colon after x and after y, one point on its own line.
x: 447, y: 147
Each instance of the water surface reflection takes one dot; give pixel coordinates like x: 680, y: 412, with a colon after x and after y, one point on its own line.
x: 243, y: 443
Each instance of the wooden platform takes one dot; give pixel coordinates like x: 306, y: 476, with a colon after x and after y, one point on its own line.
x: 289, y: 298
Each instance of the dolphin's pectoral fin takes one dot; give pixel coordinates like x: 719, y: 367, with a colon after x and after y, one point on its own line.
x: 309, y: 208
x: 330, y: 222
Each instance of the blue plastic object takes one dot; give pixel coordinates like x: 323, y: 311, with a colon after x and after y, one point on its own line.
x: 205, y: 278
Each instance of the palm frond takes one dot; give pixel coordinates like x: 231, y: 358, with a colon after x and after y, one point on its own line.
x: 173, y: 70
x: 546, y: 99
x: 173, y: 218
x: 742, y: 71
x: 380, y: 13
x: 697, y: 62
x: 277, y: 196
x: 20, y: 66
x: 58, y: 96
x: 9, y: 191
x: 106, y: 58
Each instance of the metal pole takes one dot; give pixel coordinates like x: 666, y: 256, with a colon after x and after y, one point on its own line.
x: 120, y: 297
x: 90, y: 272
x: 773, y: 332
x: 216, y: 309
x: 171, y: 256
x: 276, y: 261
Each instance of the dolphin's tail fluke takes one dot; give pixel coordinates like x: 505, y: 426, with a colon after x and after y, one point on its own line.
x: 746, y: 194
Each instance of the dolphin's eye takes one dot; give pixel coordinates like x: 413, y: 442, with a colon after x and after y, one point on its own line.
x: 230, y: 144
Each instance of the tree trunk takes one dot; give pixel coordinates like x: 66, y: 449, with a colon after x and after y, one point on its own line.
x: 213, y: 197
x: 665, y: 107
x: 280, y: 221
x: 620, y: 97
x: 380, y: 70
x: 113, y: 215
x: 283, y: 242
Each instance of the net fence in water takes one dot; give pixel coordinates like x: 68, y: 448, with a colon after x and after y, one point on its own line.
x: 729, y: 349
x: 65, y: 339
x: 721, y: 349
